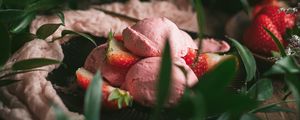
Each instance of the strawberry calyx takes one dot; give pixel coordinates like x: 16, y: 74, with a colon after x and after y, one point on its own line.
x: 122, y: 97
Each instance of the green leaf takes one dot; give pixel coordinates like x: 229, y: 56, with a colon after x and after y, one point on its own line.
x: 213, y: 87
x: 43, y: 5
x: 200, y: 18
x: 248, y: 116
x: 23, y: 24
x: 274, y: 107
x: 92, y: 100
x: 62, y: 17
x: 9, y: 15
x: 1, y: 1
x: 261, y: 90
x: 164, y: 80
x: 67, y: 32
x: 33, y: 63
x: 246, y: 6
x: 18, y: 40
x: 6, y: 82
x: 201, y: 24
x: 247, y: 58
x: 114, y: 95
x: 199, y: 103
x: 46, y: 30
x: 5, y: 44
x: 293, y: 83
x: 59, y: 113
x: 285, y: 65
x: 277, y: 42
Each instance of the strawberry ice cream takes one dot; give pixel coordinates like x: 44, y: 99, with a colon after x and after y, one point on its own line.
x: 96, y: 61
x: 142, y: 77
x: 147, y: 38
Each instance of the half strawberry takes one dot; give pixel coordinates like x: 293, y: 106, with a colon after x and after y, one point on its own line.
x: 112, y: 98
x: 118, y: 55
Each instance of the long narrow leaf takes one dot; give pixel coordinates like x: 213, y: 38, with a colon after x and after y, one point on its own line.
x: 59, y: 113
x: 23, y: 24
x: 247, y: 58
x: 293, y: 83
x: 261, y: 90
x: 92, y: 100
x: 5, y: 44
x: 246, y: 6
x: 33, y: 63
x: 201, y: 24
x: 6, y: 82
x: 46, y: 30
x: 164, y: 81
x: 67, y: 32
x: 277, y: 42
x: 9, y: 15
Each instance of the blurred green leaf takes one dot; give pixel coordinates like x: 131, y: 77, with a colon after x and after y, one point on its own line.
x: 23, y: 24
x: 246, y: 6
x: 248, y: 116
x: 293, y: 83
x: 10, y: 15
x: 261, y: 90
x: 277, y: 42
x: 213, y: 86
x: 164, y: 80
x: 200, y: 17
x: 68, y: 32
x: 42, y: 5
x: 247, y: 58
x: 201, y: 24
x: 46, y: 30
x: 274, y: 107
x: 6, y: 82
x: 1, y: 1
x: 59, y: 113
x: 5, y: 44
x: 199, y: 103
x: 62, y: 17
x: 33, y: 63
x: 285, y: 65
x: 224, y: 116
x: 92, y: 100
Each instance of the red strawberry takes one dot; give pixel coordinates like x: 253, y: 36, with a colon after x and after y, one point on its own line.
x: 117, y: 54
x: 280, y: 19
x: 257, y: 8
x: 112, y: 98
x: 205, y: 62
x: 257, y: 39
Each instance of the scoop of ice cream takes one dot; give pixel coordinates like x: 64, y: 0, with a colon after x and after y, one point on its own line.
x: 96, y: 61
x: 142, y: 77
x: 147, y: 38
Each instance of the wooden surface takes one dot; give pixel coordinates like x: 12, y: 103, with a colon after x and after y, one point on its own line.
x: 277, y: 97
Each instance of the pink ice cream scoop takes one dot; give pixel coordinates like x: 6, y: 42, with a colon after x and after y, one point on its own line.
x: 96, y: 61
x: 147, y: 38
x: 142, y: 77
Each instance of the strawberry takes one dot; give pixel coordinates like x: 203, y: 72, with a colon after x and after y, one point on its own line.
x: 205, y: 62
x: 280, y: 19
x: 257, y: 39
x: 118, y: 55
x: 112, y: 98
x: 258, y: 7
